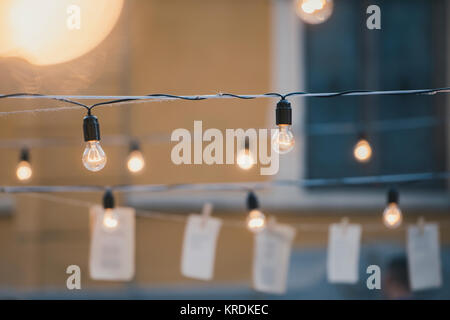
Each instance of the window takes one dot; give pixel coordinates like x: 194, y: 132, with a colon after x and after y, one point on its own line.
x: 407, y: 133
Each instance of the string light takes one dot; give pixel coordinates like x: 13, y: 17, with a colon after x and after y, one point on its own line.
x: 24, y: 171
x: 362, y: 150
x: 283, y: 140
x: 256, y: 220
x: 94, y: 158
x: 239, y: 186
x: 245, y: 159
x: 314, y: 11
x: 110, y: 220
x: 392, y: 215
x: 135, y: 161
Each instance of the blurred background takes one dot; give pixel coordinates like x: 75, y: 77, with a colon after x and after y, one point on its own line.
x: 136, y: 47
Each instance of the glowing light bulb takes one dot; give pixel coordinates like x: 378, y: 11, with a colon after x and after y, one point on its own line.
x: 256, y: 221
x: 48, y: 32
x: 362, y: 151
x: 283, y: 140
x: 245, y: 160
x: 94, y: 158
x: 110, y: 220
x: 314, y: 11
x: 135, y: 161
x: 24, y: 171
x: 392, y: 216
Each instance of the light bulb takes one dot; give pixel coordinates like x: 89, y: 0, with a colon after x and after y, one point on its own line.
x: 283, y: 140
x: 314, y: 11
x: 135, y: 161
x: 256, y: 221
x: 392, y: 216
x: 110, y: 220
x: 49, y: 32
x: 24, y: 171
x: 362, y: 151
x: 245, y: 160
x: 94, y: 158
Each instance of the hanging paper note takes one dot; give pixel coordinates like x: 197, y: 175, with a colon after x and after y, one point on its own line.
x: 424, y: 260
x: 199, y: 246
x: 343, y: 253
x: 271, y: 258
x: 112, y: 244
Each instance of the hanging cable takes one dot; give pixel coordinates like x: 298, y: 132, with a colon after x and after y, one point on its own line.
x: 238, y: 186
x: 162, y: 96
x: 181, y: 218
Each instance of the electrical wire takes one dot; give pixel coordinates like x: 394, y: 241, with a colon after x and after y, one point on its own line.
x: 236, y: 186
x: 164, y: 96
x: 182, y: 218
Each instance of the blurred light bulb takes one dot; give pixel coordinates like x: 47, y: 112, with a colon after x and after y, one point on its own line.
x: 245, y: 160
x: 135, y: 161
x: 314, y: 11
x: 256, y: 221
x: 94, y: 158
x: 362, y: 151
x: 283, y: 140
x: 110, y: 220
x: 392, y: 216
x: 24, y: 171
x: 48, y: 32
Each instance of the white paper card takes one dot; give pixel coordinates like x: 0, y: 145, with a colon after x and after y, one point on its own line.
x: 199, y: 246
x: 112, y: 251
x: 271, y: 258
x: 424, y: 260
x: 343, y: 253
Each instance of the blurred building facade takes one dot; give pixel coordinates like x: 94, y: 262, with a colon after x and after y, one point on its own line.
x: 204, y: 46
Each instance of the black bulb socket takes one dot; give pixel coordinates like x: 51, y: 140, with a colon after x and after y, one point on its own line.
x: 24, y: 155
x: 134, y: 146
x: 252, y: 201
x: 91, y: 128
x: 362, y: 136
x: 393, y: 196
x: 247, y: 143
x: 283, y: 113
x: 108, y: 200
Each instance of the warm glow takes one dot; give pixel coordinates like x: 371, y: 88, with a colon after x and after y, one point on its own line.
x: 94, y: 158
x: 24, y: 171
x: 309, y: 6
x: 38, y: 31
x: 362, y: 151
x: 314, y: 11
x: 245, y: 160
x: 110, y: 221
x: 135, y: 161
x: 392, y: 216
x: 283, y: 140
x: 256, y: 221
